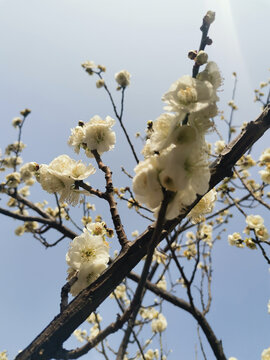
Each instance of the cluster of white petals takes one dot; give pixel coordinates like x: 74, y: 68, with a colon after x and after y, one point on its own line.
x: 266, y: 354
x: 87, y: 258
x: 265, y: 157
x: 123, y: 78
x: 151, y: 354
x: 204, y: 206
x: 189, y: 95
x: 60, y: 176
x: 256, y: 223
x: 96, y: 134
x: 176, y: 153
x: 159, y: 324
x: 3, y: 355
x: 27, y: 172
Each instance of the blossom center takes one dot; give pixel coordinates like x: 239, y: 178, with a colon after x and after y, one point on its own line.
x: 187, y: 96
x: 87, y: 254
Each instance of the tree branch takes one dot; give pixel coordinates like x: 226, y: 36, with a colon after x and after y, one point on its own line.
x: 45, y: 345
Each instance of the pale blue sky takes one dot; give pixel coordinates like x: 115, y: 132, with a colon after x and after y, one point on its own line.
x: 42, y: 46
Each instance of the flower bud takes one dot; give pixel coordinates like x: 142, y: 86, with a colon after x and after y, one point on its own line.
x: 25, y: 112
x: 192, y: 54
x: 16, y: 121
x: 209, y: 17
x: 100, y: 83
x: 102, y: 68
x: 201, y: 58
x: 208, y: 41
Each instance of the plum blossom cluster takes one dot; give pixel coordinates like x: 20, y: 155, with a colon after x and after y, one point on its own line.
x: 96, y: 134
x: 176, y: 153
x: 87, y: 257
x: 3, y: 355
x: 255, y: 223
x: 60, y: 177
x: 266, y: 354
x: 255, y: 226
x: 265, y: 160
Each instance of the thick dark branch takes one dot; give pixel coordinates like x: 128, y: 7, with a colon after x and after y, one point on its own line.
x: 222, y: 167
x: 59, y: 330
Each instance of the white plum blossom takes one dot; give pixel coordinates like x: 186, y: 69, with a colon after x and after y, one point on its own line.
x: 219, y: 146
x: 80, y: 334
x: 146, y: 184
x: 235, y: 240
x: 151, y: 354
x: 3, y: 355
x: 149, y: 313
x: 266, y: 354
x: 94, y: 318
x: 123, y: 78
x: 162, y: 284
x: 163, y: 131
x: 189, y: 95
x: 265, y: 174
x: 94, y: 331
x: 60, y: 175
x: 76, y: 138
x: 28, y: 170
x: 96, y: 134
x: 185, y: 168
x: 176, y: 154
x: 204, y: 206
x: 201, y: 119
x: 159, y: 324
x: 262, y: 233
x: 265, y: 157
x: 254, y: 221
x: 211, y: 73
x: 87, y: 249
x: 87, y: 274
x: 13, y: 179
x: 87, y: 258
x: 16, y: 121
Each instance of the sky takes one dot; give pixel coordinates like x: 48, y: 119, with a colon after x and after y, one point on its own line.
x: 42, y: 46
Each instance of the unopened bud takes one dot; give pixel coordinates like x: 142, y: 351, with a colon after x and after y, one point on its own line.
x: 201, y: 58
x: 209, y: 17
x: 208, y: 41
x: 25, y: 112
x: 102, y: 68
x: 100, y: 83
x: 192, y: 54
x: 89, y: 71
